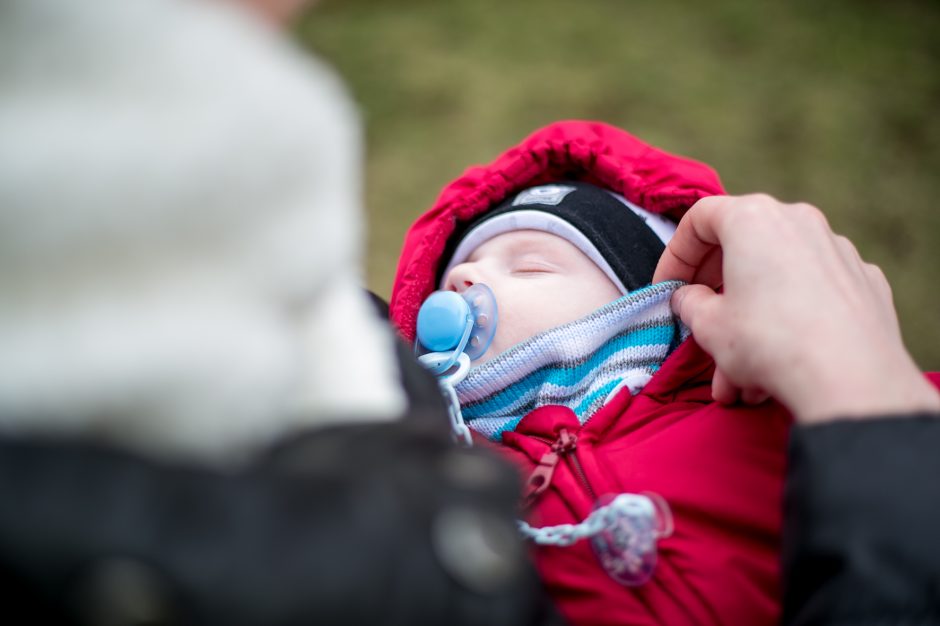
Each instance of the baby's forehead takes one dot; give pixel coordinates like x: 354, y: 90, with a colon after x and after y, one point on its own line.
x: 524, y: 241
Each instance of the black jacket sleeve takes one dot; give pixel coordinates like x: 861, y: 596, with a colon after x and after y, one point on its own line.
x: 382, y: 524
x: 365, y: 524
x: 862, y: 526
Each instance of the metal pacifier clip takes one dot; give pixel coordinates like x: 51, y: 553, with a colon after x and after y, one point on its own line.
x: 454, y: 329
x: 457, y: 328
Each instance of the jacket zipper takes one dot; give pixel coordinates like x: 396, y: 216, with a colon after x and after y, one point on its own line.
x: 580, y: 470
x: 540, y: 479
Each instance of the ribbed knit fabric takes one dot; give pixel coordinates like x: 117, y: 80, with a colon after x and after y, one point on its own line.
x: 577, y: 365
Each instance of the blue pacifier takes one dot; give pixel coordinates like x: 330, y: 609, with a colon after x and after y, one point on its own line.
x: 454, y: 329
x: 451, y: 323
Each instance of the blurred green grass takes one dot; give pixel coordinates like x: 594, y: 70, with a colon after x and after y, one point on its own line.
x: 836, y: 103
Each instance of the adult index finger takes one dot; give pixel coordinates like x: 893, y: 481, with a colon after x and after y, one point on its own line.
x: 696, y: 236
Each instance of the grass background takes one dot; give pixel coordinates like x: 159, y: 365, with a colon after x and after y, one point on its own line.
x: 836, y: 103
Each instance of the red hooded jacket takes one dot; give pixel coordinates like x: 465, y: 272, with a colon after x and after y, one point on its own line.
x: 719, y: 468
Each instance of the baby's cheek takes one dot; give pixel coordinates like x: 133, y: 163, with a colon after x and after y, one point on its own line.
x: 527, y: 308
x: 515, y: 326
x: 518, y: 320
x: 592, y: 295
x: 562, y: 303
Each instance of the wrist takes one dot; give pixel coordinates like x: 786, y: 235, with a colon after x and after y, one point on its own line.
x: 858, y: 386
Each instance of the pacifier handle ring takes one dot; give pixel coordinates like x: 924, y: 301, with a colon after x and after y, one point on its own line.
x: 463, y: 368
x: 450, y: 357
x: 458, y: 427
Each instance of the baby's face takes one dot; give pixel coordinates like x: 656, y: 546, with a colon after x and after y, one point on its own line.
x: 540, y: 281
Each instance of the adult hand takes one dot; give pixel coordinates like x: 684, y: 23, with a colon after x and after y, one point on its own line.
x: 800, y: 316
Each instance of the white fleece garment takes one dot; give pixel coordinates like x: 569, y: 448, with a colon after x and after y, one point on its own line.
x: 180, y: 226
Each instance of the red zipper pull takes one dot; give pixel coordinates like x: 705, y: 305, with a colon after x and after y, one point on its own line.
x: 541, y: 477
x: 566, y: 442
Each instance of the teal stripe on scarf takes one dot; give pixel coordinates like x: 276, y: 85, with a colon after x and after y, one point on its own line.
x: 600, y: 393
x: 567, y: 376
x: 507, y: 427
x: 638, y: 332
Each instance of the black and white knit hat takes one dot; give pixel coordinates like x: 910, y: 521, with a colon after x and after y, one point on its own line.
x: 622, y: 239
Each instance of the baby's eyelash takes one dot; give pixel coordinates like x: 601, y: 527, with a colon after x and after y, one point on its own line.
x: 533, y: 268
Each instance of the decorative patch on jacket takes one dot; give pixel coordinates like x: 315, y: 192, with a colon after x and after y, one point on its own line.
x: 578, y: 365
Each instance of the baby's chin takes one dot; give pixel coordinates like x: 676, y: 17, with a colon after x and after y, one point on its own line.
x: 497, y: 347
x: 491, y: 353
x: 486, y: 356
x: 504, y: 341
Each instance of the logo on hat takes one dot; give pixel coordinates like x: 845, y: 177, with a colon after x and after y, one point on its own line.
x: 550, y: 195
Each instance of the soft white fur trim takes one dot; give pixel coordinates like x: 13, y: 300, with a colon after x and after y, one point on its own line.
x: 179, y: 232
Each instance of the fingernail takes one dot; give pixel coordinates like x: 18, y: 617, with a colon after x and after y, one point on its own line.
x: 675, y: 302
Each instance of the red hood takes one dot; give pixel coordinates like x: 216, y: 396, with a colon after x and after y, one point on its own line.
x: 574, y: 150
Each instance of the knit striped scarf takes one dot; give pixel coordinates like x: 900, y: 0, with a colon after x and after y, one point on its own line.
x: 579, y: 365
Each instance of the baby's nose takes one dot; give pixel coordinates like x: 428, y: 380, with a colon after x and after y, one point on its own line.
x: 461, y: 278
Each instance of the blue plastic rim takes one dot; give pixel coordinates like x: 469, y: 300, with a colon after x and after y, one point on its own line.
x: 442, y: 320
x: 483, y: 308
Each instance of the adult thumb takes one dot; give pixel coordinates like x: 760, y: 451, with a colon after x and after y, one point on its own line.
x: 694, y: 305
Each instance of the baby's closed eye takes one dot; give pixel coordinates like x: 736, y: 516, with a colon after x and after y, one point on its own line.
x: 532, y: 266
